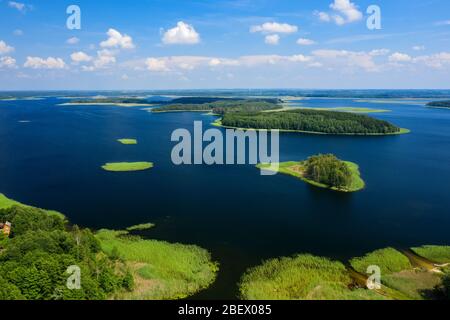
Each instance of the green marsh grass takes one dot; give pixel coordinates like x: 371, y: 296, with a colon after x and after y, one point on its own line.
x: 128, y: 141
x: 127, y: 166
x: 162, y: 270
x: 437, y: 254
x: 302, y: 277
x: 389, y: 260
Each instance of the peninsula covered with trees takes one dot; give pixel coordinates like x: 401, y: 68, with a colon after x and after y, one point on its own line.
x: 324, y: 171
x: 312, y: 121
x: 220, y: 106
x: 439, y: 104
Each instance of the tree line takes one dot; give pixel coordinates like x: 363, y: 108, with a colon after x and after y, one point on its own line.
x: 224, y: 106
x: 34, y: 261
x: 330, y: 122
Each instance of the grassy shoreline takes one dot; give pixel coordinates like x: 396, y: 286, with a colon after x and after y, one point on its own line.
x: 307, y: 277
x: 158, y: 270
x: 285, y: 168
x: 6, y: 203
x: 162, y: 270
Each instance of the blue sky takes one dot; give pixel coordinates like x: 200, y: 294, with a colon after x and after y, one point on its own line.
x: 168, y: 44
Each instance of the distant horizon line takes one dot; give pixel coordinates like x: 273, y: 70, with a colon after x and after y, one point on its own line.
x: 229, y: 89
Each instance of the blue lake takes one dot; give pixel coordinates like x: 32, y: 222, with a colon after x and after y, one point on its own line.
x: 51, y: 157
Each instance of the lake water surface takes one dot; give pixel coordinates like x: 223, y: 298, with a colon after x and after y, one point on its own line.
x: 50, y: 157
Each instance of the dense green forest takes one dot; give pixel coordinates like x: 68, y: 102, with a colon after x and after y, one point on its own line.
x: 203, y: 100
x: 34, y: 260
x: 328, y: 170
x: 224, y: 106
x: 439, y: 104
x: 200, y: 100
x: 329, y: 122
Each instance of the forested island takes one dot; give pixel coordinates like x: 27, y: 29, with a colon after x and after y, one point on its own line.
x: 114, y: 264
x: 121, y: 102
x: 324, y: 171
x: 439, y: 104
x: 221, y: 106
x: 307, y: 277
x: 311, y: 121
x: 270, y: 114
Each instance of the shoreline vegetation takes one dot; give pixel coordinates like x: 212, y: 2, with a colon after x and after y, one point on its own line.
x: 141, y: 227
x: 347, y: 109
x: 311, y: 121
x: 120, y: 265
x: 114, y: 264
x: 219, y: 106
x: 439, y: 104
x: 161, y: 270
x: 318, y: 278
x: 335, y: 174
x: 273, y: 114
x: 119, y: 102
x: 127, y: 166
x: 6, y: 203
x: 128, y: 141
x: 218, y: 123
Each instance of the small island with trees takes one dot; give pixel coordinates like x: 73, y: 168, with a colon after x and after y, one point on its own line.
x: 439, y: 104
x: 312, y: 122
x: 219, y: 106
x: 323, y: 171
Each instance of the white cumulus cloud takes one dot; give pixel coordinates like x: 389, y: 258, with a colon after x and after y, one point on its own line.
x: 156, y: 64
x: 344, y: 12
x: 73, y: 40
x: 7, y: 62
x: 305, y: 42
x: 399, y: 57
x: 272, y: 39
x: 117, y: 40
x: 274, y: 27
x: 183, y: 33
x: 80, y: 56
x: 40, y: 63
x: 4, y: 48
